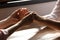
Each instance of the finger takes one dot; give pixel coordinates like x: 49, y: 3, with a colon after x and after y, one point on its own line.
x: 14, y: 14
x: 20, y: 13
x: 23, y: 12
x: 27, y: 19
x: 20, y: 23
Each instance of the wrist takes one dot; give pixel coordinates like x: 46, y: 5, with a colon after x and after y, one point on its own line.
x: 12, y: 20
x: 7, y: 22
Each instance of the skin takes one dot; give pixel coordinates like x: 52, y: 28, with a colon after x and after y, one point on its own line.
x: 16, y: 18
x: 52, y: 21
x: 22, y: 15
x: 53, y: 24
x: 5, y: 33
x: 13, y: 18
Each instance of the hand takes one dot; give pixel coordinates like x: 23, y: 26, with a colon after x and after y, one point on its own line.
x: 18, y: 15
x: 28, y: 19
x: 5, y: 33
x: 14, y: 17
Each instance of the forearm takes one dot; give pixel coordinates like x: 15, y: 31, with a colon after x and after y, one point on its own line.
x: 14, y: 17
x: 6, y: 22
x: 48, y: 22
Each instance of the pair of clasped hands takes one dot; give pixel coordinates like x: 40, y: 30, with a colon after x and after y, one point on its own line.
x: 22, y: 17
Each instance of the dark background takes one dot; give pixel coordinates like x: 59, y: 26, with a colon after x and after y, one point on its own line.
x: 5, y: 4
